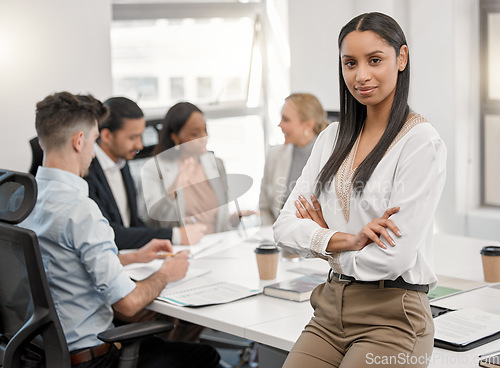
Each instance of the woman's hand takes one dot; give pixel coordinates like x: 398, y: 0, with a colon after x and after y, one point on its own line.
x: 188, y: 168
x: 192, y: 233
x: 376, y: 228
x: 236, y: 217
x: 306, y: 211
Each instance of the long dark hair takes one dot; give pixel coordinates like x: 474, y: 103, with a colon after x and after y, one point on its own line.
x: 174, y: 121
x: 353, y: 113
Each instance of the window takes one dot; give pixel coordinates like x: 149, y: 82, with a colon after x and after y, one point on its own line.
x: 205, y: 53
x: 241, y: 146
x: 490, y: 100
x: 146, y: 88
x: 493, y: 37
x: 158, y: 62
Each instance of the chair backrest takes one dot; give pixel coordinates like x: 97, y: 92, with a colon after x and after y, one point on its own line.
x: 36, y: 156
x: 29, y: 324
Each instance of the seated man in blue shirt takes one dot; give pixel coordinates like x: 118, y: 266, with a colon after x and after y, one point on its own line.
x: 81, y: 259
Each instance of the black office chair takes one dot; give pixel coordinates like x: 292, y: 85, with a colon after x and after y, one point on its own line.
x: 30, y: 331
x: 36, y: 156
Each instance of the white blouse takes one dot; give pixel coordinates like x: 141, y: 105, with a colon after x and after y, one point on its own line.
x: 411, y: 175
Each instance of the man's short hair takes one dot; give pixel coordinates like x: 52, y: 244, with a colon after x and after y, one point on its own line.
x: 119, y: 108
x: 60, y: 115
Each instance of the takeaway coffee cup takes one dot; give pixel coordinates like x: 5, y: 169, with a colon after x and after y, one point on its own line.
x: 267, y: 260
x: 491, y: 263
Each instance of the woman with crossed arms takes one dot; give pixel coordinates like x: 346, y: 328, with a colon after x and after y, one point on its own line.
x: 365, y: 202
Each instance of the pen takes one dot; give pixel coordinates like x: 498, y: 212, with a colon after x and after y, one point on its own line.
x: 164, y: 254
x: 488, y: 354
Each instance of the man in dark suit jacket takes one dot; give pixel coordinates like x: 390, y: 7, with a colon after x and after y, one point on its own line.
x: 111, y: 184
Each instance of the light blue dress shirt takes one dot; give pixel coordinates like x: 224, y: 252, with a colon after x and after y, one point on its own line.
x: 79, y: 255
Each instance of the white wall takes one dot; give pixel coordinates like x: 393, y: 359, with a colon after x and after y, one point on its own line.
x: 443, y: 37
x: 314, y: 29
x: 64, y: 45
x: 45, y: 47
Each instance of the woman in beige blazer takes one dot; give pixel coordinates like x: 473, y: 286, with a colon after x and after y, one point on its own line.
x: 302, y: 119
x: 184, y: 183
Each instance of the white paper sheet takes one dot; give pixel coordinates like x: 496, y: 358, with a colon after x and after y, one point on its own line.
x: 141, y: 271
x: 214, y: 243
x: 485, y: 298
x: 463, y: 326
x: 204, y: 291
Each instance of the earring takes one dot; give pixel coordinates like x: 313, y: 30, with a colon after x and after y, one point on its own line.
x: 177, y: 147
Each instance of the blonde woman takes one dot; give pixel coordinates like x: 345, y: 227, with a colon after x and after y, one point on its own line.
x: 302, y: 119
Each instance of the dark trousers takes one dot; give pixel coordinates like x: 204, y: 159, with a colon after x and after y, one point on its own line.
x: 156, y: 353
x: 183, y: 331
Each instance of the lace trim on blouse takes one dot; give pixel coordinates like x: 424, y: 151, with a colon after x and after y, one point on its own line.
x: 319, y: 242
x: 319, y: 238
x: 343, y: 178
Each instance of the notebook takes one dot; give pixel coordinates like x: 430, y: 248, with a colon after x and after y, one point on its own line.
x: 298, y: 289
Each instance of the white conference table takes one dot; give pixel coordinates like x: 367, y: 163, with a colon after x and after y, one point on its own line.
x: 237, y: 264
x: 278, y: 323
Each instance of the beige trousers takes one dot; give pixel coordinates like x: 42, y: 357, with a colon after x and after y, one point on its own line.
x: 358, y: 325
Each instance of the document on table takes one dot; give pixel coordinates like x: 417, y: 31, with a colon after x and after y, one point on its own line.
x: 485, y: 298
x: 463, y: 326
x: 452, y: 285
x: 141, y: 271
x: 205, y: 291
x: 210, y: 244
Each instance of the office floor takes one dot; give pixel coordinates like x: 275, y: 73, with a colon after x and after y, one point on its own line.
x: 231, y: 358
x: 235, y: 352
x: 268, y: 357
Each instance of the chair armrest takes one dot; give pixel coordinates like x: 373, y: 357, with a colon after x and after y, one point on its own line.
x: 135, y: 331
x: 222, y: 340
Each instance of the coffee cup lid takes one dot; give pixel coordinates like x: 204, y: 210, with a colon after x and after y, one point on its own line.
x: 267, y: 248
x: 490, y: 250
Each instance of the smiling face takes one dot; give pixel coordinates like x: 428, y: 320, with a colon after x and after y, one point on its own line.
x: 194, y: 131
x: 370, y: 67
x: 295, y: 130
x: 124, y: 143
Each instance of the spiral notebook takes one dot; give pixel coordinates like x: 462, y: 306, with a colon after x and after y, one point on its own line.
x: 205, y: 291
